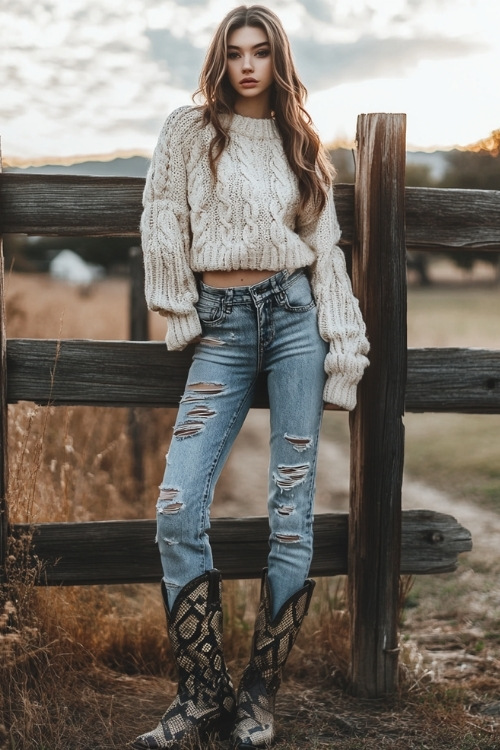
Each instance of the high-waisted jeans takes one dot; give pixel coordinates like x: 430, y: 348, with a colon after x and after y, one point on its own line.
x: 269, y: 327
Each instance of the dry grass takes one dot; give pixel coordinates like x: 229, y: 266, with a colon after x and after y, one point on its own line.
x: 88, y: 667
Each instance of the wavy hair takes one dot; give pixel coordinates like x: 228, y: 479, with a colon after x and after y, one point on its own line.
x: 305, y: 154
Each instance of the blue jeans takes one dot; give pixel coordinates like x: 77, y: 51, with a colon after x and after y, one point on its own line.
x: 270, y: 327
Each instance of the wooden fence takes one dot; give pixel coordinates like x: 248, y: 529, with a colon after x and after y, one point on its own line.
x: 376, y: 541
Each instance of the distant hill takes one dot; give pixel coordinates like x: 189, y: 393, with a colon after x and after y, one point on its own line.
x: 137, y: 166
x: 133, y: 166
x: 433, y: 164
x: 436, y: 161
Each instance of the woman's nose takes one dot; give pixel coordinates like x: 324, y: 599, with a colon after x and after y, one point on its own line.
x: 247, y: 63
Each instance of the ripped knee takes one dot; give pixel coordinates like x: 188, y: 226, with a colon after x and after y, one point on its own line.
x: 289, y: 477
x: 299, y: 444
x: 189, y: 428
x: 168, y: 503
x: 288, y: 538
x: 205, y: 389
x: 197, y: 416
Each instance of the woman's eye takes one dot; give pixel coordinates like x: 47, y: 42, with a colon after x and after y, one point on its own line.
x: 263, y: 53
x: 232, y: 55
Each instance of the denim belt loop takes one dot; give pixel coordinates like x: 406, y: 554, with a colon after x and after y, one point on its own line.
x: 228, y: 300
x: 277, y: 281
x: 277, y: 287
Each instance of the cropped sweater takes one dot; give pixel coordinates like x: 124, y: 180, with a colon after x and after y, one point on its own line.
x: 248, y: 219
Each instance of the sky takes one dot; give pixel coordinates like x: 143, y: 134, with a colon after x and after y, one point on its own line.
x: 97, y: 77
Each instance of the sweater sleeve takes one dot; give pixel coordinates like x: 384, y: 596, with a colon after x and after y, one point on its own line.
x: 170, y: 285
x: 339, y: 318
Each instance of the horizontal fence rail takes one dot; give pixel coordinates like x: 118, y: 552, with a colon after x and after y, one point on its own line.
x: 69, y: 205
x: 125, y: 373
x: 125, y: 551
x: 441, y: 218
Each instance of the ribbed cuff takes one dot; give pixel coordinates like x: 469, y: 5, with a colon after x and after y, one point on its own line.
x: 341, y: 391
x: 181, y: 330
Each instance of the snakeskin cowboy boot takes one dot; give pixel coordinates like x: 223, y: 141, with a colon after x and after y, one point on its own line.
x: 272, y: 643
x: 205, y: 699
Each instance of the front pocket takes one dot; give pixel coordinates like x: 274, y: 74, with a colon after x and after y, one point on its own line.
x: 298, y: 296
x: 210, y: 310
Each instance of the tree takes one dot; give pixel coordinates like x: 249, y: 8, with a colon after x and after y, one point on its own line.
x: 476, y: 168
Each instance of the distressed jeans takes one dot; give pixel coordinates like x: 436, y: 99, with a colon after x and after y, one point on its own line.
x: 269, y: 327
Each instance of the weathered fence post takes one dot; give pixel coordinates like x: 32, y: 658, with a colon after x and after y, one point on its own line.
x: 4, y: 464
x: 138, y: 324
x: 377, y: 432
x: 138, y: 331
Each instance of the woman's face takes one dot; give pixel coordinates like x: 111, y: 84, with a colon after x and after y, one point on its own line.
x: 249, y: 63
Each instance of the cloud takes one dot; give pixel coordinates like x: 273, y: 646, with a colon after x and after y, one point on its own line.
x: 323, y: 66
x: 95, y: 75
x: 320, y: 9
x: 320, y: 64
x: 179, y: 57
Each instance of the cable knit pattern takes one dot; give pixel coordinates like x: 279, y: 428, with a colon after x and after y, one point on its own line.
x: 247, y: 220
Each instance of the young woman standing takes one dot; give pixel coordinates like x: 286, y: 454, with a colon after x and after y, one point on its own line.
x: 240, y: 244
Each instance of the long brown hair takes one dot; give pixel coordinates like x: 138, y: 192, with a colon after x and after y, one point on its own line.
x: 304, y: 151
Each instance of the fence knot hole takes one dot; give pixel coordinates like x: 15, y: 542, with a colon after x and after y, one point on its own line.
x: 435, y: 537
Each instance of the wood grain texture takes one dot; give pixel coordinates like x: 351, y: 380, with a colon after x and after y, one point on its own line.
x: 441, y: 218
x: 453, y: 380
x: 125, y: 373
x: 69, y: 205
x: 125, y: 551
x: 377, y: 433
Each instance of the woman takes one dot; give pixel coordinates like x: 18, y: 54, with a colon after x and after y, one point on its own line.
x: 240, y: 244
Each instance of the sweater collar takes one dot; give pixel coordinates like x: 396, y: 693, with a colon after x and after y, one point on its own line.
x: 253, y: 127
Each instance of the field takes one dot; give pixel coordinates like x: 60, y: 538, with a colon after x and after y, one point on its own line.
x: 88, y: 667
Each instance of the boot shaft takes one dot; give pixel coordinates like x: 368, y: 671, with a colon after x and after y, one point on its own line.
x: 205, y: 699
x: 274, y: 638
x: 272, y: 642
x: 195, y: 626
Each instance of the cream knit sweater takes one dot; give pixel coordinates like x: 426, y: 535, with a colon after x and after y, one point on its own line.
x: 247, y: 220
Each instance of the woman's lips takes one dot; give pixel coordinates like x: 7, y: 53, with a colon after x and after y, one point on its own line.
x: 248, y: 82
